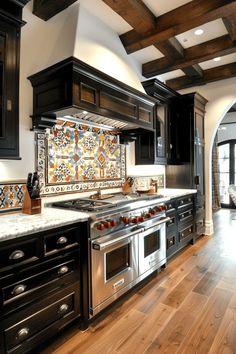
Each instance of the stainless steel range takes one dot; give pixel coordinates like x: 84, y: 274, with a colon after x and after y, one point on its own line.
x: 127, y: 242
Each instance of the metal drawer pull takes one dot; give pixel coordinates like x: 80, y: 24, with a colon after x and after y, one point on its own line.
x: 182, y: 202
x: 63, y: 270
x: 18, y: 289
x: 118, y: 283
x: 18, y: 254
x: 171, y: 242
x: 62, y: 240
x: 182, y: 234
x: 190, y: 230
x: 63, y: 308
x: 23, y: 332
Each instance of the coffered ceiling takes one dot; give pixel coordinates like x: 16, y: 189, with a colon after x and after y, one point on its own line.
x: 160, y: 36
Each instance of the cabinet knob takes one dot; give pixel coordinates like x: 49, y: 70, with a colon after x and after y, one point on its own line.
x: 63, y: 270
x: 23, y: 332
x: 62, y: 240
x: 182, y: 234
x: 171, y: 242
x: 181, y: 202
x: 190, y: 229
x: 63, y: 309
x: 18, y: 254
x: 18, y: 289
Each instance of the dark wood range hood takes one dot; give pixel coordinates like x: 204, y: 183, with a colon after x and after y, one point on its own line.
x: 72, y: 88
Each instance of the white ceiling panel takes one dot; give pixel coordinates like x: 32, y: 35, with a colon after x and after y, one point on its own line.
x: 147, y: 54
x: 160, y: 7
x: 171, y: 75
x: 211, y: 30
x: 227, y: 59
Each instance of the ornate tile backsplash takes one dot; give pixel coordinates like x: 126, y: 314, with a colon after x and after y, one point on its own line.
x: 73, y: 158
x: 11, y: 196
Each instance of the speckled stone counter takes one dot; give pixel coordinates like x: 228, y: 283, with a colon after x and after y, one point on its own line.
x: 18, y: 224
x: 175, y: 193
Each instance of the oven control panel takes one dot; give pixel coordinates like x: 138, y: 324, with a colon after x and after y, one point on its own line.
x: 119, y: 221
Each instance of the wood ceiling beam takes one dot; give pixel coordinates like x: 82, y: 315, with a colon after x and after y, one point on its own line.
x: 210, y: 75
x: 193, y: 71
x: 45, y: 9
x: 142, y: 20
x: 196, y: 54
x: 184, y: 18
x: 136, y: 13
x: 230, y: 24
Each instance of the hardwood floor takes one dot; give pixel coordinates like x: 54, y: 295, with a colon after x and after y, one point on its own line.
x: 190, y: 307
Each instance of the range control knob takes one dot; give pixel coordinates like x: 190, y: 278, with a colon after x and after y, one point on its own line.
x: 125, y: 220
x: 107, y: 224
x: 141, y: 218
x: 152, y: 211
x: 100, y: 226
x: 135, y: 220
x: 113, y: 223
x: 158, y: 208
x: 147, y: 215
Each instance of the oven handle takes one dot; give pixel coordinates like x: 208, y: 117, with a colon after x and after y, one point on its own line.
x: 158, y: 223
x: 98, y: 245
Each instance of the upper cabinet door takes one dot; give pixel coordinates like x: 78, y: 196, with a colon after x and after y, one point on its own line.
x: 9, y: 87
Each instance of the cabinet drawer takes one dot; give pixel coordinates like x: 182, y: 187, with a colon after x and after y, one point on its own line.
x: 61, y: 240
x: 52, y: 277
x: 185, y: 232
x: 185, y: 201
x: 28, y: 324
x: 170, y: 206
x: 171, y: 242
x: 19, y: 253
x: 186, y: 215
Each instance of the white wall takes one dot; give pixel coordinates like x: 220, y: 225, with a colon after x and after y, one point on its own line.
x: 72, y: 32
x: 221, y: 95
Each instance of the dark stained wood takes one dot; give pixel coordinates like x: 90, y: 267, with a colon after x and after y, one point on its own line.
x: 72, y: 86
x: 171, y: 48
x: 193, y: 71
x: 184, y: 18
x: 45, y: 9
x: 204, y: 321
x: 230, y: 24
x: 193, y: 55
x: 143, y: 21
x: 210, y: 75
x: 136, y: 13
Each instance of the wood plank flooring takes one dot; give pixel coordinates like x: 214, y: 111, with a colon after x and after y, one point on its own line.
x: 190, y: 307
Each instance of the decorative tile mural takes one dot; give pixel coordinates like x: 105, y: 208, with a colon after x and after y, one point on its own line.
x: 11, y: 196
x: 77, y: 157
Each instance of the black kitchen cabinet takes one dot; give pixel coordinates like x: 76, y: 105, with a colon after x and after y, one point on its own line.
x: 71, y: 87
x: 10, y: 25
x: 144, y: 148
x: 166, y: 105
x: 186, y: 165
x: 180, y: 230
x: 40, y: 287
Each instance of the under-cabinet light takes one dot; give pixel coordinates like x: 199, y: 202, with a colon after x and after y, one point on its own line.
x: 199, y: 32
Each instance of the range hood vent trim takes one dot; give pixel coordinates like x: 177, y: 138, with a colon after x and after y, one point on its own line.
x: 71, y: 86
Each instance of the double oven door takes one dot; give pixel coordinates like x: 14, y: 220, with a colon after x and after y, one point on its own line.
x: 121, y: 260
x: 114, y: 266
x: 152, y: 248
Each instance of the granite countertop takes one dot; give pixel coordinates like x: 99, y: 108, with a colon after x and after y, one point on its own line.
x: 175, y: 193
x: 15, y: 225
